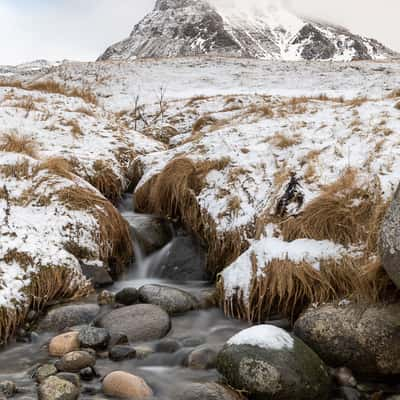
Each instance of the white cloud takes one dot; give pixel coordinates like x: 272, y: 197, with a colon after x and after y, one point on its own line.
x: 82, y: 29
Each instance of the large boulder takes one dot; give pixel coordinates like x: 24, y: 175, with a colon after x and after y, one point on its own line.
x: 59, y: 318
x: 269, y: 363
x: 365, y: 339
x: 389, y: 243
x: 140, y: 322
x: 172, y: 300
x: 120, y: 384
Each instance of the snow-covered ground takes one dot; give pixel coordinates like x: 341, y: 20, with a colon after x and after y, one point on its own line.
x: 237, y: 133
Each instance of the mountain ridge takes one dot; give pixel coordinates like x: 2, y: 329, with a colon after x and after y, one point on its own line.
x: 177, y: 28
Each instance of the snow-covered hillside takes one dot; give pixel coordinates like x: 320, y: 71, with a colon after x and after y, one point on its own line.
x: 268, y: 31
x: 243, y: 152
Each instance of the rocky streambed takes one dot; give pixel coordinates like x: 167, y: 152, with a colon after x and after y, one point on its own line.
x: 157, y: 334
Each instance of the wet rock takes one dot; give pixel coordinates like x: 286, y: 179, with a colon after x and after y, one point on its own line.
x: 141, y: 322
x: 8, y: 388
x: 70, y: 377
x: 167, y: 346
x: 105, y: 298
x: 174, y: 301
x: 99, y: 276
x: 193, y: 341
x: 127, y: 296
x: 60, y: 318
x: 75, y: 361
x: 63, y: 344
x: 207, y: 298
x: 143, y: 352
x: 344, y: 377
x: 120, y: 353
x: 118, y: 338
x: 87, y: 374
x: 54, y: 388
x: 207, y: 391
x: 283, y: 323
x: 152, y: 233
x: 94, y: 338
x: 364, y: 339
x: 123, y: 385
x: 44, y: 371
x: 203, y: 357
x: 268, y: 362
x: 186, y: 261
x: 349, y: 393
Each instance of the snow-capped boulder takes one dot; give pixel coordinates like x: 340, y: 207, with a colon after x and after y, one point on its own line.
x: 197, y: 27
x: 268, y: 362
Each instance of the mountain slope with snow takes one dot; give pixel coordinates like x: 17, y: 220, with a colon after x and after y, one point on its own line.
x: 196, y: 27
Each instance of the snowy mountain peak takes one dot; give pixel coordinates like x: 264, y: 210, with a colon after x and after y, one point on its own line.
x: 221, y: 27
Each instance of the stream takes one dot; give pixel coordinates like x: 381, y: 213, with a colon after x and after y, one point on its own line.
x: 166, y: 373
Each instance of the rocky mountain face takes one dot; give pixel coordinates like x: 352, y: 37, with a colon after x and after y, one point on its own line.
x: 177, y: 28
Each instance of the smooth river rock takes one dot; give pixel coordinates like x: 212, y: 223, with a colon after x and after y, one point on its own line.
x: 269, y: 363
x: 140, y: 322
x: 64, y: 343
x: 75, y: 361
x: 122, y: 385
x: 172, y: 300
x: 389, y: 241
x: 58, y: 319
x: 94, y: 338
x: 365, y: 339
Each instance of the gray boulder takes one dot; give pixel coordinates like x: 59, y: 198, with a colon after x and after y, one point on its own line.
x: 59, y: 318
x: 269, y: 363
x: 127, y: 296
x: 203, y: 357
x: 140, y: 322
x: 173, y: 301
x: 389, y: 241
x: 364, y: 339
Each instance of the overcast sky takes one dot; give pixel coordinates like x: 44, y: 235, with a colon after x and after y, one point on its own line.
x: 82, y: 29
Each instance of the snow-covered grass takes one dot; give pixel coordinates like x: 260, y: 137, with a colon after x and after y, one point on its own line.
x: 255, y: 157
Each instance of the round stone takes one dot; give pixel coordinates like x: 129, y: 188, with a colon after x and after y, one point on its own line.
x: 54, y: 388
x: 75, y: 361
x: 94, y: 338
x: 63, y: 344
x: 44, y: 371
x: 122, y: 385
x: 120, y: 353
x: 127, y: 296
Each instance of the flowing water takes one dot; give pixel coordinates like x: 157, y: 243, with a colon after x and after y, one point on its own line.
x: 165, y: 373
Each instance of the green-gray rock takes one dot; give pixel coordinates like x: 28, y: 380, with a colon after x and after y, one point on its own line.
x: 365, y: 339
x: 44, y: 371
x: 54, y: 388
x: 269, y: 363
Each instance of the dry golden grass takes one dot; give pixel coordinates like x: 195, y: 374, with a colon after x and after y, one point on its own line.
x: 283, y: 141
x: 113, y: 237
x: 202, y: 122
x: 51, y: 86
x: 394, y: 94
x: 58, y: 166
x: 263, y: 110
x: 76, y: 130
x: 196, y: 99
x: 27, y: 103
x: 15, y: 143
x: 173, y: 192
x: 84, y: 110
x: 48, y: 284
x: 20, y: 170
x: 344, y: 213
x: 397, y: 106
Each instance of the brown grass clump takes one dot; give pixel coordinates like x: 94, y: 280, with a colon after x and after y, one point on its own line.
x: 397, y: 106
x: 106, y: 181
x: 58, y: 166
x: 202, y: 122
x: 20, y: 170
x: 14, y: 143
x: 394, y: 94
x: 76, y: 130
x: 344, y: 213
x: 114, y: 237
x: 173, y: 193
x: 48, y: 284
x: 287, y: 287
x: 283, y: 141
x: 195, y: 99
